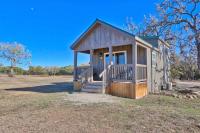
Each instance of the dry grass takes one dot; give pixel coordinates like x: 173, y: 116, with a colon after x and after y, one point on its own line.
x: 44, y: 104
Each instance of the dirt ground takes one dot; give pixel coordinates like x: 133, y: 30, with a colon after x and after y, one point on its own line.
x: 48, y: 104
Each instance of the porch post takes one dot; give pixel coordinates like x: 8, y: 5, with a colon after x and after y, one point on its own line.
x: 134, y: 61
x: 75, y: 65
x: 91, y: 64
x: 110, y: 55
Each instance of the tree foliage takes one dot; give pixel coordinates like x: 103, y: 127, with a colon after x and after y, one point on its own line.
x: 15, y: 53
x: 39, y: 70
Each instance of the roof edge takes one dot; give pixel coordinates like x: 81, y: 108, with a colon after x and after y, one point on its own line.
x: 82, y: 34
x: 143, y: 41
x: 92, y: 25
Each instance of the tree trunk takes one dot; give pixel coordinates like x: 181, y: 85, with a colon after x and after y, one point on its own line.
x: 198, y: 54
x: 11, y: 74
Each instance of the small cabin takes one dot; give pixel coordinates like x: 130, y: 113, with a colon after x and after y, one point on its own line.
x: 121, y: 64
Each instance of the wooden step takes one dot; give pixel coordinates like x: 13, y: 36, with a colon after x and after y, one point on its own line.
x: 93, y: 87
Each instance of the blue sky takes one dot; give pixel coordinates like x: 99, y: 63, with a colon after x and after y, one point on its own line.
x: 48, y: 27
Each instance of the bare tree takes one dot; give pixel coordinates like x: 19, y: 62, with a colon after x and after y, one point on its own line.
x: 184, y: 15
x: 15, y: 53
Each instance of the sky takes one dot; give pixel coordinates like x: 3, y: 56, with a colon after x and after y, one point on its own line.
x: 48, y: 27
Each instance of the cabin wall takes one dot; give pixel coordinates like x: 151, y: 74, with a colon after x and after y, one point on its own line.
x: 160, y: 67
x: 149, y: 69
x: 164, y: 52
x: 103, y: 36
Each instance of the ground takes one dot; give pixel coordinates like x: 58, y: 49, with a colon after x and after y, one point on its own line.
x: 48, y: 104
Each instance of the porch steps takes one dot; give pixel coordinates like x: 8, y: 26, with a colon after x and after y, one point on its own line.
x: 93, y: 87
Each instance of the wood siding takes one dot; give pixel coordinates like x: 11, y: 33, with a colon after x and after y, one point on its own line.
x: 121, y: 89
x: 103, y: 36
x: 128, y: 90
x: 140, y: 90
x: 149, y: 70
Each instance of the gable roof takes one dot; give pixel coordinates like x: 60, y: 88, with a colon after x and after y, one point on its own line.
x: 98, y: 21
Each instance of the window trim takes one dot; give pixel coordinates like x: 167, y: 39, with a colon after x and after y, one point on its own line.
x: 107, y: 53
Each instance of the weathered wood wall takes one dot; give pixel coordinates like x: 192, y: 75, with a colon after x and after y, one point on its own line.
x: 128, y: 90
x: 149, y: 69
x: 102, y: 36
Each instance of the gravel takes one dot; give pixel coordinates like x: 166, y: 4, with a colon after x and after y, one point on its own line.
x: 90, y: 98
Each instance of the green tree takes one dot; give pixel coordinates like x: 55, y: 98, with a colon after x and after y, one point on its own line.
x: 15, y: 53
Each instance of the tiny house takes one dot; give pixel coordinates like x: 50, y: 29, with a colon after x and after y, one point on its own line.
x: 121, y: 63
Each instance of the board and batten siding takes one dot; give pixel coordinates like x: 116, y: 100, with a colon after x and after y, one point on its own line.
x: 103, y: 36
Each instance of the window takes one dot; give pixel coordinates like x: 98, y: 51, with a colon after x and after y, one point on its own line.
x: 154, y: 56
x: 118, y: 58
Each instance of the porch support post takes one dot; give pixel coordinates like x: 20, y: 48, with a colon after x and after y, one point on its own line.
x: 110, y: 55
x: 134, y: 61
x: 91, y: 64
x: 75, y: 65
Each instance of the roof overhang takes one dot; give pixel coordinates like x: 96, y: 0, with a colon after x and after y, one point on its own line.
x: 96, y: 22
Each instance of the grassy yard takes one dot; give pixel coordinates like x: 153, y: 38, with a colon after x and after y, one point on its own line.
x: 45, y: 104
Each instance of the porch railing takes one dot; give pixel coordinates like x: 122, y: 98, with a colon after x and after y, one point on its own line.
x: 86, y: 75
x: 141, y: 72
x: 105, y: 74
x: 122, y: 72
x: 81, y: 69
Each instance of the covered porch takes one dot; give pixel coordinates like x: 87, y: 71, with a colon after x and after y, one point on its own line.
x: 120, y: 70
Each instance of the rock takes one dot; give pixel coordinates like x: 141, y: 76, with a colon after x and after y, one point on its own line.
x: 185, y: 91
x: 191, y: 97
x: 198, y: 125
x: 184, y: 96
x: 196, y: 93
x: 174, y: 95
x: 180, y: 96
x: 195, y: 96
x: 188, y: 96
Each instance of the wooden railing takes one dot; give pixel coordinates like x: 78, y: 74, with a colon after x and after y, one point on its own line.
x: 86, y: 76
x: 121, y: 72
x: 141, y: 72
x: 105, y: 75
x: 81, y: 69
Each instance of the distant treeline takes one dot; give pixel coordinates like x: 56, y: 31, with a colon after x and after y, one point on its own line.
x: 39, y: 70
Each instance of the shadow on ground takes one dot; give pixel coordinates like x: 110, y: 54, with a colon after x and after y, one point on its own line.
x: 52, y: 88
